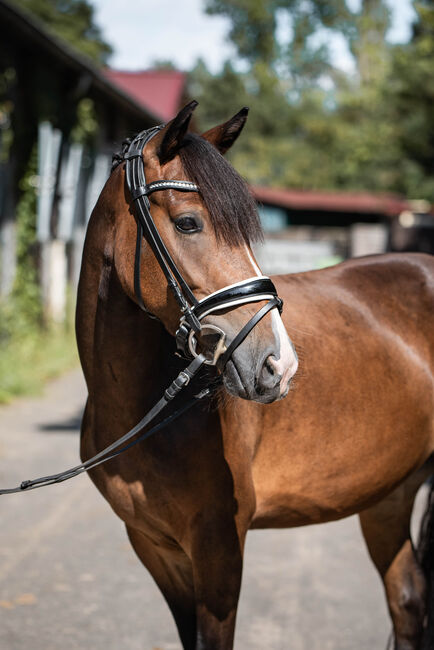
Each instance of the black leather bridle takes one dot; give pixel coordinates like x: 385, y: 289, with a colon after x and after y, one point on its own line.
x: 256, y: 289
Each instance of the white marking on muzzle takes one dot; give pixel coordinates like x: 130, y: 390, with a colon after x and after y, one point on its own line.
x: 287, y: 363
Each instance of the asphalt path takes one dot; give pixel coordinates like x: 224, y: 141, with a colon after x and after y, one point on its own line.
x: 69, y: 579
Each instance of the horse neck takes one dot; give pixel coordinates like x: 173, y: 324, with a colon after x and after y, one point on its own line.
x: 122, y: 351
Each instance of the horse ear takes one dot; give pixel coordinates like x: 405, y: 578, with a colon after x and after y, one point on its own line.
x: 174, y: 133
x: 224, y: 135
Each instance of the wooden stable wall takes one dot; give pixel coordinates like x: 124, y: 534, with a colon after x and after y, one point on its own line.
x: 50, y: 81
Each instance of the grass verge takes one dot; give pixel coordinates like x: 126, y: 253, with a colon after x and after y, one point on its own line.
x: 29, y: 359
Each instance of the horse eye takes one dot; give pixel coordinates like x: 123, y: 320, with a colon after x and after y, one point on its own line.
x: 188, y: 225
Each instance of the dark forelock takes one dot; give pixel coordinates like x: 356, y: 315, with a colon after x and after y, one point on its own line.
x: 226, y: 196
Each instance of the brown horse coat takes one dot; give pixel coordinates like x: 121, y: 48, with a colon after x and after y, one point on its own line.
x: 355, y: 433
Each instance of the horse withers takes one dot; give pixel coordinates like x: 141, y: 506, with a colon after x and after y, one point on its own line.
x: 354, y: 434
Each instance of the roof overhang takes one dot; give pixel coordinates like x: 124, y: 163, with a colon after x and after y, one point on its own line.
x: 30, y: 27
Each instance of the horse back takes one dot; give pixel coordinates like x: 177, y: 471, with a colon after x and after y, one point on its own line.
x: 386, y: 293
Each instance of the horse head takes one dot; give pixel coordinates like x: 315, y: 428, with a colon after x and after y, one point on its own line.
x: 205, y: 218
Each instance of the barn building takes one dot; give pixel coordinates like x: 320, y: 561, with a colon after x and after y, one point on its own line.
x: 61, y: 117
x: 307, y: 230
x: 48, y: 92
x: 162, y: 91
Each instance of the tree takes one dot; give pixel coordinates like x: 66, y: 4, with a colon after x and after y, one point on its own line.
x: 73, y: 21
x: 411, y: 96
x: 281, y: 33
x: 367, y: 41
x: 312, y: 125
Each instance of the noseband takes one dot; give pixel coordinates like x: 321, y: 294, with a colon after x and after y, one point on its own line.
x: 254, y: 289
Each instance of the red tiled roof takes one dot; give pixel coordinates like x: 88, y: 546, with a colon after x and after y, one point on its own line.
x: 159, y: 91
x: 362, y: 202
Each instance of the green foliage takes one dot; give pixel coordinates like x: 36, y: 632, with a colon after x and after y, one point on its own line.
x: 279, y: 33
x: 411, y: 94
x: 312, y: 126
x: 25, y: 301
x: 163, y: 64
x: 72, y: 21
x: 368, y: 41
x: 33, y: 356
x: 86, y: 125
x: 31, y: 351
x: 7, y: 78
x: 253, y: 24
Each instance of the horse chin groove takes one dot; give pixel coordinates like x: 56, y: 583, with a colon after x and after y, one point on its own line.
x: 233, y: 382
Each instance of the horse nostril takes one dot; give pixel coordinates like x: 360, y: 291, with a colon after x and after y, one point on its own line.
x: 269, y: 365
x: 268, y: 377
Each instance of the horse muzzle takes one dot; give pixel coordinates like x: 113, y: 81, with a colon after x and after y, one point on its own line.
x: 265, y: 382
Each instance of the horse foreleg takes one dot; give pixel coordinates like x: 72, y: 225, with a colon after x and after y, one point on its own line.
x: 202, y: 592
x: 386, y: 529
x: 217, y: 556
x: 172, y: 571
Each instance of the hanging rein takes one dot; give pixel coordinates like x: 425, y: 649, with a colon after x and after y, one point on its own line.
x: 256, y: 289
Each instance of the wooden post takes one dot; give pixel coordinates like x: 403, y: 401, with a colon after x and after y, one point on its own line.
x: 8, y: 244
x: 54, y: 270
x: 8, y: 258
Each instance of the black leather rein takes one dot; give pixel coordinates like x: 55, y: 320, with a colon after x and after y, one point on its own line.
x: 256, y: 289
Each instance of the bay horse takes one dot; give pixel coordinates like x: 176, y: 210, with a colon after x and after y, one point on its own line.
x: 354, y: 434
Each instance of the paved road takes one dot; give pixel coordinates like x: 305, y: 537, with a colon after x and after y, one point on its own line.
x: 69, y: 580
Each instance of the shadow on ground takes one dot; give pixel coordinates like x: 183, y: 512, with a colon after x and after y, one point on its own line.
x: 70, y: 425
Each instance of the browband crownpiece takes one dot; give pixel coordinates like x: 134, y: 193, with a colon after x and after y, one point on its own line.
x: 145, y: 190
x: 182, y: 186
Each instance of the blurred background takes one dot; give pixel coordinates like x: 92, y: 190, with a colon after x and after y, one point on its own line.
x: 339, y: 153
x: 338, y: 148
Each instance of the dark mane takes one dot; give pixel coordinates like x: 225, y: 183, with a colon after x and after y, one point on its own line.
x: 226, y: 196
